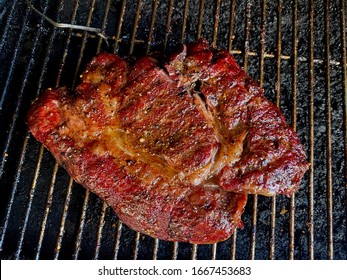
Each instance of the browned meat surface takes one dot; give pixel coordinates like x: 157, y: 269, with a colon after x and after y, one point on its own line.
x: 173, y: 151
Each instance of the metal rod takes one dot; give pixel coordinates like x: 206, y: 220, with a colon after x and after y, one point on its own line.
x: 104, y: 23
x: 328, y: 129
x: 216, y: 23
x: 135, y: 26
x: 47, y: 209
x: 13, y: 193
x: 194, y: 251
x: 100, y: 229
x: 81, y: 226
x: 67, y: 44
x: 279, y: 53
x: 63, y: 220
x: 245, y: 67
x: 118, y: 236
x: 28, y: 207
x: 262, y: 43
x: 175, y: 251
x: 254, y: 227
x: 278, y: 99
x: 311, y: 121
x: 214, y: 251
x: 136, y: 247
x: 231, y: 25
x: 84, y: 41
x: 151, y: 27
x: 155, y: 248
x: 184, y: 24
x: 201, y: 16
x: 248, y: 27
x: 294, y: 122
x: 168, y: 24
x: 233, y: 245
x: 119, y: 27
x: 344, y: 83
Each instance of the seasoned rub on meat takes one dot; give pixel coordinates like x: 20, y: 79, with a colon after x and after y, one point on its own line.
x: 174, y: 150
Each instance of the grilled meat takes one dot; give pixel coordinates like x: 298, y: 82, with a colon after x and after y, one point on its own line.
x: 174, y: 150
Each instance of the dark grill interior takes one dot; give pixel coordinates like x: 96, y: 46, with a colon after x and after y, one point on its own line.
x: 295, y: 49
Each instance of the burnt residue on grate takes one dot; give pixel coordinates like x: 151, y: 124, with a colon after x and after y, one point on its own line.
x: 295, y: 49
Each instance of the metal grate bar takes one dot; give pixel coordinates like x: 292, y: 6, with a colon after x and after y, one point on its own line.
x: 344, y: 86
x: 248, y: 28
x: 135, y: 26
x: 13, y: 193
x: 104, y: 23
x: 233, y: 245
x: 216, y: 22
x: 63, y: 220
x: 84, y: 41
x: 86, y: 198
x: 279, y: 53
x: 231, y: 25
x: 155, y: 248
x: 168, y: 24
x: 118, y: 236
x: 119, y: 27
x: 294, y: 122
x: 81, y: 226
x: 328, y: 128
x: 194, y: 251
x: 262, y: 43
x: 175, y: 251
x: 47, y: 209
x: 154, y: 12
x: 28, y: 208
x: 184, y: 24
x: 311, y: 121
x: 278, y: 96
x: 201, y: 16
x: 136, y: 247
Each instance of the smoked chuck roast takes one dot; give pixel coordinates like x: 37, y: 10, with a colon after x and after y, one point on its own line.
x: 173, y: 147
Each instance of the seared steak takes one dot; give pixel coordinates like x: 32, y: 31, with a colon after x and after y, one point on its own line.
x: 173, y: 149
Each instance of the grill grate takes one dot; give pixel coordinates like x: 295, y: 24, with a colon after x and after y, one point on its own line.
x: 296, y: 50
